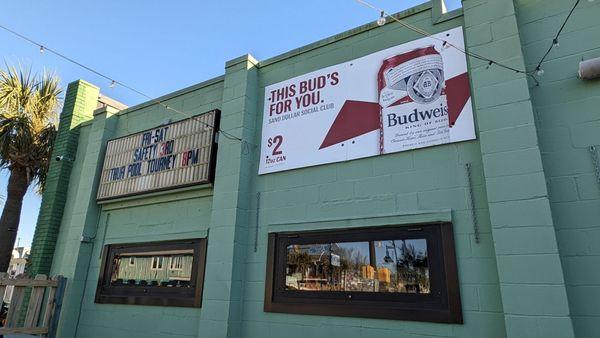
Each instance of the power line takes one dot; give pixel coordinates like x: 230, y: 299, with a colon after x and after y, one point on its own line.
x: 114, y: 82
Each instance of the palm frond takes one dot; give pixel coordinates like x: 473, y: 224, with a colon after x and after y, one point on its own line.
x: 28, y: 115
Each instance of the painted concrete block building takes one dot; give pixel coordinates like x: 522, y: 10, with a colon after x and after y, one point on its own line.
x: 486, y: 226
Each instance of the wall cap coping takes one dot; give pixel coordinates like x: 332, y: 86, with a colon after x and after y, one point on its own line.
x: 241, y: 59
x: 83, y: 82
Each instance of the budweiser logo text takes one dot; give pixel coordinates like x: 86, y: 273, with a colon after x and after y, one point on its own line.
x: 417, y: 115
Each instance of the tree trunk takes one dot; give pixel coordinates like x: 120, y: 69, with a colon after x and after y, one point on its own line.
x: 11, y: 214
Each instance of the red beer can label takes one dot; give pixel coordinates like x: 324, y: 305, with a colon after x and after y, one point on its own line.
x: 412, y: 99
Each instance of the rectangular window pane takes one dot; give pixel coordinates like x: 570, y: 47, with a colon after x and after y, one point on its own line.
x: 396, y: 272
x: 328, y: 267
x: 147, y: 268
x: 398, y: 266
x: 402, y: 266
x: 166, y: 273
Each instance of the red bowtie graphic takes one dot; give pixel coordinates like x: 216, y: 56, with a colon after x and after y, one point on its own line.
x: 358, y: 117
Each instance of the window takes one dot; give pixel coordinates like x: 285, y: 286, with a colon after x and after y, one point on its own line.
x: 136, y: 273
x: 157, y: 263
x: 177, y: 262
x: 406, y: 272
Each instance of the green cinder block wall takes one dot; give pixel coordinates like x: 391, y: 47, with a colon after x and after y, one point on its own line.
x: 567, y: 118
x: 531, y: 274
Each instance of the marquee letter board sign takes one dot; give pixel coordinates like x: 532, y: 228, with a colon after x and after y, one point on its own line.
x: 166, y: 157
x: 406, y: 97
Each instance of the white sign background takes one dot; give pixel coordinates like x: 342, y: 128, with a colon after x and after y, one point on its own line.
x: 293, y: 140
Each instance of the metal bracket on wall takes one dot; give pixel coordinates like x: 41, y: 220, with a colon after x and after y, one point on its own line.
x: 472, y: 202
x: 596, y: 162
x: 256, y: 225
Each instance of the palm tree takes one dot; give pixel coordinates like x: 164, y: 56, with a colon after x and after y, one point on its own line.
x: 28, y: 115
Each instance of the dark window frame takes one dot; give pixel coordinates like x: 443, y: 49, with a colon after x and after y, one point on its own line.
x: 148, y: 295
x: 441, y: 305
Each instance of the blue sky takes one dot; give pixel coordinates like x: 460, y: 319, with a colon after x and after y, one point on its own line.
x: 161, y: 46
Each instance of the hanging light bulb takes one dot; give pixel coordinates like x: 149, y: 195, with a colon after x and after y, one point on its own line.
x: 539, y: 71
x: 555, y: 43
x: 381, y: 20
x: 42, y: 49
x: 112, y: 84
x: 489, y: 64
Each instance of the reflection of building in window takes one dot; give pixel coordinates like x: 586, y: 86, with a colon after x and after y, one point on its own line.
x: 371, y: 266
x: 384, y: 275
x: 176, y: 263
x: 157, y: 263
x: 379, y: 272
x: 158, y: 273
x: 367, y: 272
x: 150, y: 270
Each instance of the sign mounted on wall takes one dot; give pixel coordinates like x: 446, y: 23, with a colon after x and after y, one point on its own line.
x: 169, y: 156
x: 406, y: 97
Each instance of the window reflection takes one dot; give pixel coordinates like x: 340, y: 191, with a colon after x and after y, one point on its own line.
x: 399, y: 266
x: 159, y: 268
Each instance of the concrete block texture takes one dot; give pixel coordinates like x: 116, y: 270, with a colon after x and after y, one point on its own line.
x: 567, y: 119
x: 527, y: 272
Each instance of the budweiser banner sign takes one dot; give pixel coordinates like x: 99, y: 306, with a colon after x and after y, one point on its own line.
x: 166, y: 157
x: 406, y: 97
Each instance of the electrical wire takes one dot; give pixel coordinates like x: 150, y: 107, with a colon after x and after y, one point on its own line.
x: 489, y: 61
x: 114, y: 82
x: 445, y: 43
x: 555, y: 40
x: 384, y: 14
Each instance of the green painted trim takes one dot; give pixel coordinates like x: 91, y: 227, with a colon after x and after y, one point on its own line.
x: 158, y: 197
x: 427, y: 216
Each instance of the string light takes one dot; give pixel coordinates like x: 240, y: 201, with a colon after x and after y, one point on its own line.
x: 447, y: 44
x: 537, y: 71
x: 381, y: 20
x: 555, y: 39
x: 115, y: 82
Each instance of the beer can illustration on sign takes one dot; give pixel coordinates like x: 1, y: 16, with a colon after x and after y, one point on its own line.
x: 412, y: 100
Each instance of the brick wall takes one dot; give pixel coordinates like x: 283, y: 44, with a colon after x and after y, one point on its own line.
x: 80, y: 101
